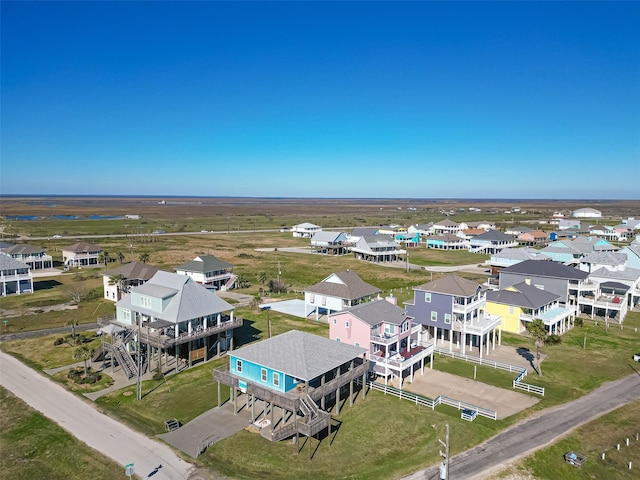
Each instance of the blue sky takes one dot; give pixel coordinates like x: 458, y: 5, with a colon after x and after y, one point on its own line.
x: 328, y: 99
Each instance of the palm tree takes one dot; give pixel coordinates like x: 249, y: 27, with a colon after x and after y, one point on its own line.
x: 262, y: 277
x: 73, y: 323
x: 120, y: 256
x: 539, y: 333
x: 120, y: 281
x: 144, y: 257
x: 84, y: 353
x: 104, y: 257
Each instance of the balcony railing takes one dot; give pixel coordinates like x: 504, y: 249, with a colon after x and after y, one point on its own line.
x: 156, y: 339
x: 463, y: 308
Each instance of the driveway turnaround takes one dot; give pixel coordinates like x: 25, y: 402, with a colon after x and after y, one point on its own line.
x: 530, y: 435
x: 96, y: 429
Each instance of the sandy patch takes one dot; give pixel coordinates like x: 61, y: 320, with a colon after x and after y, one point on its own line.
x: 504, y: 402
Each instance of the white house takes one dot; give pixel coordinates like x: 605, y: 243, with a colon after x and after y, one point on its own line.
x: 133, y: 274
x: 336, y: 292
x: 81, y: 254
x: 15, y: 276
x: 586, y: 213
x: 305, y: 230
x: 35, y: 257
x: 209, y: 270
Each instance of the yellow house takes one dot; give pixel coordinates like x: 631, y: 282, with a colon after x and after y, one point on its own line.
x: 523, y: 303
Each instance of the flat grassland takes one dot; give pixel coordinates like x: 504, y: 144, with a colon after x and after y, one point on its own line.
x: 33, y: 447
x: 371, y: 442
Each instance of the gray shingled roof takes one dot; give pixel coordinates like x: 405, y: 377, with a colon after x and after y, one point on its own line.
x: 189, y: 299
x: 605, y: 258
x: 203, y: 264
x: 378, y: 311
x: 82, y: 247
x: 8, y: 263
x: 546, y: 269
x: 526, y: 253
x: 447, y: 237
x: 494, y: 236
x: 327, y: 236
x: 349, y: 287
x: 451, y: 285
x: 526, y: 296
x: 628, y: 273
x: 299, y: 354
x: 362, y: 231
x: 133, y: 271
x: 446, y: 223
x: 23, y: 249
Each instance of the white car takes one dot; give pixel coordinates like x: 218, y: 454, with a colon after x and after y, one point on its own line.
x: 57, y: 236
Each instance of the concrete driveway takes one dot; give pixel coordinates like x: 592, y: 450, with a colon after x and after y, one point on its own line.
x: 212, y: 426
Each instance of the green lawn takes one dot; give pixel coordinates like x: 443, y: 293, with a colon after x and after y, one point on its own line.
x: 33, y: 447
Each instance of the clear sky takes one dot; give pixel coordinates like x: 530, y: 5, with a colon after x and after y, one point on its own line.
x: 328, y: 99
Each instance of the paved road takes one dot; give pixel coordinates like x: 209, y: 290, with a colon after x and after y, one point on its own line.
x: 5, y: 337
x: 530, y: 435
x: 97, y: 430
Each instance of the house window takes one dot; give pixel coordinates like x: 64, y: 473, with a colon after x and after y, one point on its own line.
x: 126, y: 314
x: 263, y: 374
x: 338, y: 339
x: 324, y: 301
x: 427, y: 297
x: 239, y: 366
x: 347, y: 324
x: 312, y: 298
x: 511, y: 309
x: 335, y: 321
x: 447, y: 318
x: 145, y: 302
x: 276, y: 379
x: 357, y: 344
x: 389, y: 329
x: 434, y: 316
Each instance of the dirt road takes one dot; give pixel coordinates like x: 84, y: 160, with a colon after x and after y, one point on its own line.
x: 96, y: 429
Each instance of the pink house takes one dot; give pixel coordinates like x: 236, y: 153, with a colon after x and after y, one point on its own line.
x: 384, y: 329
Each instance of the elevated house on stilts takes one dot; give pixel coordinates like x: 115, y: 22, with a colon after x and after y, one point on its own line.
x: 291, y: 382
x: 172, y: 316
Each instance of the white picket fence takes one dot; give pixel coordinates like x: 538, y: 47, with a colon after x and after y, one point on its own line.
x: 517, y: 383
x: 427, y: 402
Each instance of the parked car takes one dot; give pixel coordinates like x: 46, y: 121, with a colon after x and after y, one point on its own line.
x: 57, y: 236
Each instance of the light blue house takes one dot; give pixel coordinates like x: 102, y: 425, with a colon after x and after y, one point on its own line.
x: 172, y: 313
x: 632, y: 252
x: 297, y: 373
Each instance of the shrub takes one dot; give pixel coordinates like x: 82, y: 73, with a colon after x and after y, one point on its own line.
x: 579, y: 322
x: 158, y: 376
x: 553, y: 340
x: 58, y: 341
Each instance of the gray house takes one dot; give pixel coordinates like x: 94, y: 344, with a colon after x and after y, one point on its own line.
x: 453, y: 308
x: 566, y: 282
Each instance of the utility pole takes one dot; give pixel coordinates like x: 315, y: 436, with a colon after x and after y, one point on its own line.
x: 444, y: 466
x: 139, y: 352
x: 279, y: 272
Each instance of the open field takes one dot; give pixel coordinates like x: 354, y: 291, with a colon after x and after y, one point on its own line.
x: 33, y: 447
x: 370, y: 442
x: 248, y: 214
